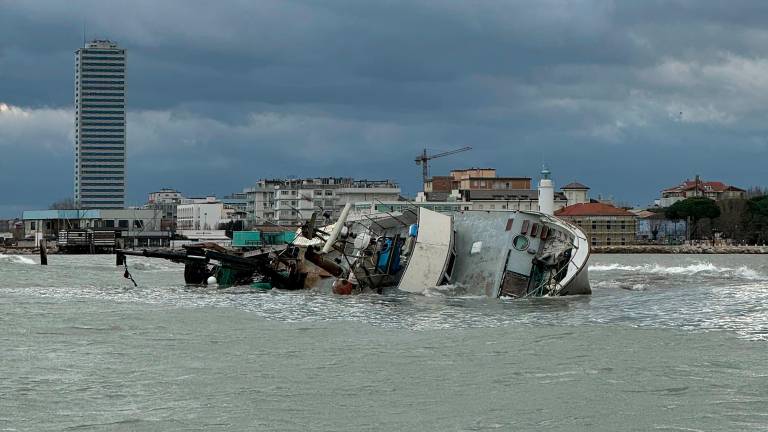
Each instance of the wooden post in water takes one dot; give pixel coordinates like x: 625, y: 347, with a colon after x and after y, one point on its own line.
x: 43, y: 252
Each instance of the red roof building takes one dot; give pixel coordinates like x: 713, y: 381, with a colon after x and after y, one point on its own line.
x: 698, y: 188
x: 604, y: 224
x: 593, y: 209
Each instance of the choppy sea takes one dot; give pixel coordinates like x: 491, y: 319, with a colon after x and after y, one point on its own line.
x: 666, y: 342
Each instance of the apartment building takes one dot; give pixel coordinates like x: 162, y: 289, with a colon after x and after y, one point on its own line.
x: 291, y: 201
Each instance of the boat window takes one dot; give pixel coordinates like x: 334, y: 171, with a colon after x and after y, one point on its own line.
x: 524, y: 229
x: 535, y: 230
x: 544, y: 232
x: 509, y: 224
x: 520, y: 242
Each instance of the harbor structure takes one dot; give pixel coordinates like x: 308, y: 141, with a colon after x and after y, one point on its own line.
x: 546, y: 193
x: 100, y: 126
x: 603, y: 224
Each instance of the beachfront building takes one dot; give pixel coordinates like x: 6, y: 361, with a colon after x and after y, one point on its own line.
x: 714, y: 190
x: 475, y: 179
x: 654, y: 227
x: 575, y: 193
x: 603, y: 224
x: 129, y: 227
x: 166, y: 200
x: 260, y: 202
x: 481, y: 189
x: 289, y: 202
x: 100, y: 152
x: 50, y: 222
x: 202, y: 214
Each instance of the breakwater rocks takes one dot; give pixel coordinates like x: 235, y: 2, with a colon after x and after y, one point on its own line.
x: 680, y: 249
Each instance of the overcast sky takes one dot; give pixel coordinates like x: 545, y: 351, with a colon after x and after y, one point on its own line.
x: 627, y: 97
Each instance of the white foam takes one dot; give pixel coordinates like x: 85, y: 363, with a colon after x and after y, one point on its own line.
x: 692, y: 269
x: 16, y: 259
x: 611, y: 267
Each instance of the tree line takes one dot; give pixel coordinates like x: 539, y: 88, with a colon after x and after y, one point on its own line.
x: 740, y: 220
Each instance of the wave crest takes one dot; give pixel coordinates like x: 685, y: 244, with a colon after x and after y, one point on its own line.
x: 16, y: 259
x: 692, y: 269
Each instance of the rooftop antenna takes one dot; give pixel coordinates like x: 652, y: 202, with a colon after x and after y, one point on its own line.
x: 83, y: 33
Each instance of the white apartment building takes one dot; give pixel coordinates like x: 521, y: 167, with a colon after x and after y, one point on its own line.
x: 166, y: 200
x: 100, y: 151
x: 290, y: 202
x: 165, y: 196
x: 199, y: 214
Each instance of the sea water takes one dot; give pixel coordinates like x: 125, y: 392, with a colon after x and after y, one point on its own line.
x: 666, y: 342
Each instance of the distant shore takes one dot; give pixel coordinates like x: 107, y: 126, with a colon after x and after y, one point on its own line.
x: 679, y: 249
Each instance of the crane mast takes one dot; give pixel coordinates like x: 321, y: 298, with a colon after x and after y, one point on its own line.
x: 424, y: 158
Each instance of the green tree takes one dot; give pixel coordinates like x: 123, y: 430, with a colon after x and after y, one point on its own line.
x: 758, y: 206
x: 693, y: 209
x: 756, y: 219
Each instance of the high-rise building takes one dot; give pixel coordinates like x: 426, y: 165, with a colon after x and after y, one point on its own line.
x: 100, y: 126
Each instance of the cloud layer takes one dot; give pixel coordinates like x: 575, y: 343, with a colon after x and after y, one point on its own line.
x: 627, y: 97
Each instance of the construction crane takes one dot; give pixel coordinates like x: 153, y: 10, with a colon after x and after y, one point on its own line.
x: 423, y: 160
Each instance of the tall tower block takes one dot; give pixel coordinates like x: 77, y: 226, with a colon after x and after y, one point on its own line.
x: 100, y: 125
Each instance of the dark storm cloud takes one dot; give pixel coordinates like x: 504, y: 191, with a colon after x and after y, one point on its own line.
x: 627, y: 97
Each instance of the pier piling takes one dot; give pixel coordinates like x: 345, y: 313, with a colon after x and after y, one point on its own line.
x: 43, y: 252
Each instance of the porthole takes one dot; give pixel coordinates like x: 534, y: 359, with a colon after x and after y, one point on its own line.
x: 520, y: 242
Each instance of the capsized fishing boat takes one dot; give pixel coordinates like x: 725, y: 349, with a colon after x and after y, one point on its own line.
x: 504, y: 253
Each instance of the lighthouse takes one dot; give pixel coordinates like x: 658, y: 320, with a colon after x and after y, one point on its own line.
x: 546, y: 192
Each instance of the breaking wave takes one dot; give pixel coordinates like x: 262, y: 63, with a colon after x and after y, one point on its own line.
x: 743, y: 272
x: 150, y: 266
x: 16, y: 259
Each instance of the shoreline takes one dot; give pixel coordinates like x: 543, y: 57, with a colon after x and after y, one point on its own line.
x: 680, y: 249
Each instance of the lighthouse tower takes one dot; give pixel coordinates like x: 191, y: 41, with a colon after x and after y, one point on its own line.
x: 546, y: 192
